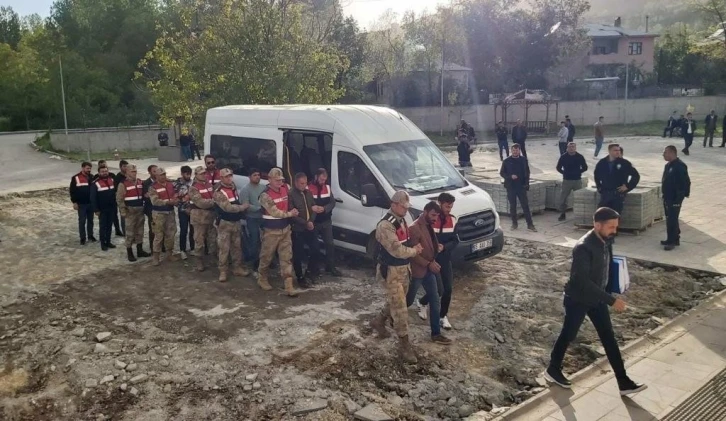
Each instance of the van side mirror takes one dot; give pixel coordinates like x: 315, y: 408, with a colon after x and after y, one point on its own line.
x: 370, y: 197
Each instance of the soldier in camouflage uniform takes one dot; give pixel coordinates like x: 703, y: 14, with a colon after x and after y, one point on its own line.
x: 393, y: 271
x: 276, y: 233
x: 163, y: 199
x: 229, y: 228
x: 202, y: 215
x: 130, y: 201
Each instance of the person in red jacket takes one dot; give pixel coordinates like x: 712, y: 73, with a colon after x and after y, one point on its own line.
x: 80, y: 191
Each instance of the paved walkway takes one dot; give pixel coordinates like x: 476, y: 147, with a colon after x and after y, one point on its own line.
x: 703, y: 217
x: 691, y: 351
x: 24, y: 169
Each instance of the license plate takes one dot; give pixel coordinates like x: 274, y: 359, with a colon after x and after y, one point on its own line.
x: 481, y: 245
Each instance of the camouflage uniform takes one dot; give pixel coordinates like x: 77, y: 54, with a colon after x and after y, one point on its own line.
x: 164, y: 223
x: 229, y: 229
x: 397, y: 280
x: 133, y: 215
x: 276, y: 240
x: 202, y: 217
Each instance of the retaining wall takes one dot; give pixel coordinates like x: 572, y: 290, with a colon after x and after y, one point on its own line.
x: 104, y: 140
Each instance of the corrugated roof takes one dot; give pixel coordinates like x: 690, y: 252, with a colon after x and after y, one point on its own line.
x: 598, y: 30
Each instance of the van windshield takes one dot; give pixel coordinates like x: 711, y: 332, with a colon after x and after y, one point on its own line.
x: 416, y: 166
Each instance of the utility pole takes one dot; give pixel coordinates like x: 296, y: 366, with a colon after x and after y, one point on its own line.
x: 63, y: 94
x: 627, y: 83
x: 443, y: 43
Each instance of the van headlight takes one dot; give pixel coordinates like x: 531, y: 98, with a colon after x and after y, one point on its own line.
x: 415, y: 213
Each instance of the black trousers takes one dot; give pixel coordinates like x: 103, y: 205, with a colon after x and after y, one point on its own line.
x: 600, y: 317
x: 117, y: 223
x: 523, y: 148
x: 195, y: 150
x: 325, y: 231
x: 672, y: 211
x: 688, y: 138
x: 186, y: 231
x: 563, y: 147
x: 612, y: 199
x: 708, y: 136
x: 514, y: 193
x: 299, y: 241
x: 85, y: 221
x: 668, y: 130
x: 445, y: 281
x: 105, y: 222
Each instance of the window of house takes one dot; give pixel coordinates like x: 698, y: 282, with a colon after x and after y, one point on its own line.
x: 240, y: 154
x: 600, y: 50
x: 635, y: 48
x: 353, y: 173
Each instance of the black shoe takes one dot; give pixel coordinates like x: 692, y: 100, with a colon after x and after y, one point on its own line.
x: 304, y: 283
x: 92, y: 239
x: 722, y: 146
x: 119, y: 234
x: 83, y: 242
x: 110, y: 245
x: 531, y: 228
x: 669, y: 247
x: 441, y: 340
x: 666, y: 242
x: 555, y: 376
x: 104, y: 247
x: 130, y: 254
x: 562, y: 217
x: 334, y: 272
x: 515, y: 226
x: 140, y: 251
x: 629, y: 387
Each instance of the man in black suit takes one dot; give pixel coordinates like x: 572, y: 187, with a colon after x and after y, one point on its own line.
x: 688, y: 130
x: 710, y: 128
x: 615, y: 176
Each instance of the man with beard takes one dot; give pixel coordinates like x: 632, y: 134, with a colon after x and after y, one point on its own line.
x: 103, y: 201
x: 586, y: 295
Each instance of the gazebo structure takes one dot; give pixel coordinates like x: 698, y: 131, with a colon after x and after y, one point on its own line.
x: 526, y: 99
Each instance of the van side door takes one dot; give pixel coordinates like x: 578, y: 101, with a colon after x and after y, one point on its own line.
x: 353, y: 223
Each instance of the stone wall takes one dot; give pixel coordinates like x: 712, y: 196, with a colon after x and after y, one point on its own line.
x: 582, y: 113
x: 108, y: 139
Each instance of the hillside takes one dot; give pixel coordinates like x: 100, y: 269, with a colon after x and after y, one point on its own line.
x: 662, y: 14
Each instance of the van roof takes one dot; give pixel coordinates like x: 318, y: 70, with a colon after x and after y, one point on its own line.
x: 365, y: 124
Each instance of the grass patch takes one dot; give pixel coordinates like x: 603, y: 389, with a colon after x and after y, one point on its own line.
x: 43, y: 142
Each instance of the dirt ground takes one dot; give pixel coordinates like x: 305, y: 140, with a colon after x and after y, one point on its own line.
x: 185, y: 347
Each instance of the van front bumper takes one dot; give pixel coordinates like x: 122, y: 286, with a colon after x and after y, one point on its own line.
x: 468, y: 251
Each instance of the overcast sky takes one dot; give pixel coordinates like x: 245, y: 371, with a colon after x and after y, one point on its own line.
x: 365, y: 11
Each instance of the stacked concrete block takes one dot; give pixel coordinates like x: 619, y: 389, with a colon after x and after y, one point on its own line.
x: 536, y: 195
x: 554, y: 191
x: 637, y: 209
x: 585, y: 205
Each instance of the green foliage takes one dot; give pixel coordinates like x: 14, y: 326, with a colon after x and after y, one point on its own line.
x: 9, y: 27
x: 251, y: 52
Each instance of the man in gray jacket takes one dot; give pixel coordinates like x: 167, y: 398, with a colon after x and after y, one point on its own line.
x: 303, y: 231
x: 586, y: 295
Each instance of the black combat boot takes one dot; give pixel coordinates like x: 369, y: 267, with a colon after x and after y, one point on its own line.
x: 140, y: 251
x: 130, y: 254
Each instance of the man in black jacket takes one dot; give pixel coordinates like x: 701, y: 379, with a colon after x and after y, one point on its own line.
x: 585, y: 295
x: 571, y: 165
x: 515, y: 171
x: 303, y: 231
x: 103, y: 200
x: 112, y: 176
x: 676, y: 185
x: 723, y: 134
x: 671, y: 124
x: 688, y: 130
x: 710, y: 125
x: 570, y: 131
x: 80, y: 191
x: 502, y: 132
x: 464, y: 149
x: 519, y: 136
x: 615, y: 176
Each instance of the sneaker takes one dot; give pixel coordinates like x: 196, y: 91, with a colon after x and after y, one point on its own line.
x: 445, y: 323
x: 183, y: 255
x: 562, y: 217
x: 441, y: 340
x: 423, y: 310
x: 629, y: 387
x: 555, y: 376
x: 532, y: 228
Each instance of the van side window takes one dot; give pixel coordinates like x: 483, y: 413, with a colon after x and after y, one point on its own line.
x: 353, y: 173
x: 240, y: 154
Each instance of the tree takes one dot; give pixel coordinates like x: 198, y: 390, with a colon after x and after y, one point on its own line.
x: 251, y: 52
x: 9, y: 27
x: 387, y: 56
